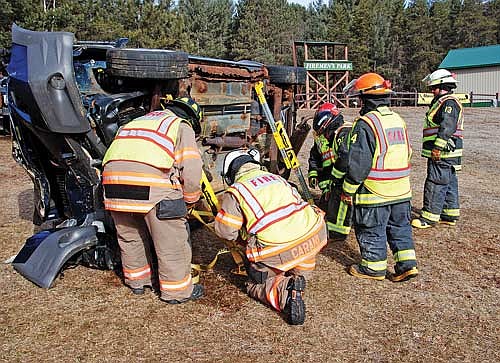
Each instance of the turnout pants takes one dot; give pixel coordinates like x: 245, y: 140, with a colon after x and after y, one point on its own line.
x: 269, y: 284
x: 440, y: 193
x: 339, y: 214
x: 173, y: 251
x: 374, y: 226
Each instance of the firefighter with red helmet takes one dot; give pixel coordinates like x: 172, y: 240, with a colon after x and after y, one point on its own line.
x: 377, y: 183
x: 327, y: 166
x: 152, y: 173
x: 282, y: 233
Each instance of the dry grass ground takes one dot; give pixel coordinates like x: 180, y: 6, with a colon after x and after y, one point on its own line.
x: 450, y: 313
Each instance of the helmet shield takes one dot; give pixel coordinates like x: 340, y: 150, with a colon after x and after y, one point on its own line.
x: 349, y: 89
x: 327, y: 117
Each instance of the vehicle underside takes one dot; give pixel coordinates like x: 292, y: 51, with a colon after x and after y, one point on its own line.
x: 67, y: 100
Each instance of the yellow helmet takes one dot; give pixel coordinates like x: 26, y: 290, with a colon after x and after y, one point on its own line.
x: 193, y: 109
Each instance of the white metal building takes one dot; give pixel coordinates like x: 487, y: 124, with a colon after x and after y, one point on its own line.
x: 477, y: 70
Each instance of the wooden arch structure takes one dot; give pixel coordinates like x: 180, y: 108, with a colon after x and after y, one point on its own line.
x: 327, y: 67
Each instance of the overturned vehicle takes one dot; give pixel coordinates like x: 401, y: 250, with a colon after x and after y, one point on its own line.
x: 67, y: 100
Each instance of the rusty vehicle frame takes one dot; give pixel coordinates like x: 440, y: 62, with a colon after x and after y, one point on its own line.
x: 67, y: 99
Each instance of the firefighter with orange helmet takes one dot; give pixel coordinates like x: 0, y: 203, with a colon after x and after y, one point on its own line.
x: 377, y: 183
x: 152, y: 173
x: 327, y: 166
x: 442, y: 146
x: 282, y: 233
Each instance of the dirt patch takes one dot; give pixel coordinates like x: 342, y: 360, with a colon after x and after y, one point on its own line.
x: 449, y: 313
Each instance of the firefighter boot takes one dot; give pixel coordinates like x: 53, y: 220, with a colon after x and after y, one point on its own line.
x: 400, y: 276
x: 195, y: 295
x: 336, y: 236
x: 362, y: 272
x: 448, y: 222
x: 420, y: 223
x: 295, y: 309
x: 137, y: 290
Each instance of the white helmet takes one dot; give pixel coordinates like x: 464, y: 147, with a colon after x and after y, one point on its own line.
x: 235, y: 159
x: 441, y: 76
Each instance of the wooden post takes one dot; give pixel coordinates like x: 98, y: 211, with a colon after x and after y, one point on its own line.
x: 308, y: 89
x: 294, y: 54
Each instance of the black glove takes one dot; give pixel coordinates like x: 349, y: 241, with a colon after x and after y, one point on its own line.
x: 335, y: 183
x: 313, y: 182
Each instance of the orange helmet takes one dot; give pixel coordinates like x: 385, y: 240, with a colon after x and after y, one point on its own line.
x: 368, y: 84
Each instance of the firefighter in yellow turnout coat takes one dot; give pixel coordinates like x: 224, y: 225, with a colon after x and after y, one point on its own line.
x: 377, y: 182
x: 151, y: 171
x: 283, y: 233
x: 442, y: 146
x: 327, y: 166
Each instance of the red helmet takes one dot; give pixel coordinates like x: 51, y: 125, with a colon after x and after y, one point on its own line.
x: 326, y: 114
x: 327, y: 106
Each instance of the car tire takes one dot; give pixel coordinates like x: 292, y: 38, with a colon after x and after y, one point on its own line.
x: 287, y: 75
x: 147, y: 63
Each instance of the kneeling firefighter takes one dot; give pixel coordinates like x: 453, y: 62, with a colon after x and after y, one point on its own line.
x: 327, y: 167
x: 152, y: 173
x: 283, y: 233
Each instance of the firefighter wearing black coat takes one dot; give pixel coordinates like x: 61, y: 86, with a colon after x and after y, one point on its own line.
x: 442, y: 146
x: 377, y: 183
x: 327, y: 166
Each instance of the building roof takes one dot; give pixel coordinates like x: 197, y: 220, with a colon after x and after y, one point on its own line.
x: 472, y: 57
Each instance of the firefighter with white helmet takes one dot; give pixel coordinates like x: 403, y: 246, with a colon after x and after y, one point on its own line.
x: 282, y: 233
x: 327, y: 165
x: 442, y: 146
x: 152, y: 173
x: 377, y: 182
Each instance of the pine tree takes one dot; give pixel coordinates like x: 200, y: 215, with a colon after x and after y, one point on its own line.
x: 391, y: 67
x: 339, y: 18
x: 473, y: 27
x: 420, y: 57
x: 160, y: 27
x: 361, y: 39
x: 6, y: 19
x: 317, y: 22
x: 252, y: 25
x: 206, y: 36
x: 381, y: 28
x: 261, y: 31
x: 441, y: 19
x: 493, y: 12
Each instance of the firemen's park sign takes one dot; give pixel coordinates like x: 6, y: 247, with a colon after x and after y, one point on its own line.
x: 323, y: 65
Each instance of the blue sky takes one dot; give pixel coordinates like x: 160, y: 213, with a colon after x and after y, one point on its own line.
x: 304, y: 3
